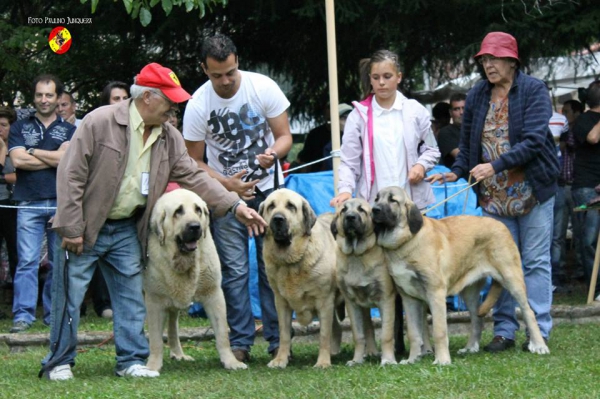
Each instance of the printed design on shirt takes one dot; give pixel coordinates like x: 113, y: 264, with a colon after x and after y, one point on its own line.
x: 242, y: 134
x: 31, y: 135
x: 59, y: 133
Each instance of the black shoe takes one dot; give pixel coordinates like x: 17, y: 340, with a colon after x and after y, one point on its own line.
x: 525, y: 345
x: 499, y: 344
x: 241, y: 355
x: 19, y: 327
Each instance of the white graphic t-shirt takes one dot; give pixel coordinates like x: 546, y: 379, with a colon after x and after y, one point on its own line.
x: 236, y: 129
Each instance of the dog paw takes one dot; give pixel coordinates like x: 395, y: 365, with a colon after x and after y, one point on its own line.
x: 153, y: 365
x: 472, y: 349
x: 278, y: 363
x: 322, y: 364
x: 539, y: 349
x: 354, y: 362
x: 407, y: 361
x: 181, y: 357
x: 386, y: 362
x: 442, y: 362
x: 235, y: 365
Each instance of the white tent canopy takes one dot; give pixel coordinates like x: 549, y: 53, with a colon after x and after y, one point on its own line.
x: 564, y: 75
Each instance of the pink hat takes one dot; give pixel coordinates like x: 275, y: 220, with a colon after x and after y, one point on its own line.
x: 159, y: 77
x: 499, y: 44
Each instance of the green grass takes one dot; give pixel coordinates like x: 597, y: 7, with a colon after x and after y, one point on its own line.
x: 570, y: 371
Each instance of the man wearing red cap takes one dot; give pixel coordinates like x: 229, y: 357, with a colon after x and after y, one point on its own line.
x: 507, y: 146
x: 241, y: 119
x: 118, y: 165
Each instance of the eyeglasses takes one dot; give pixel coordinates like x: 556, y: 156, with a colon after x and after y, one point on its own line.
x: 487, y: 58
x: 159, y: 93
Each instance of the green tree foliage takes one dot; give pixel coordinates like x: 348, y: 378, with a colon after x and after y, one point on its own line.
x: 284, y: 38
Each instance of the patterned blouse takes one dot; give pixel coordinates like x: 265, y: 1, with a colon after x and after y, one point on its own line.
x: 506, y: 193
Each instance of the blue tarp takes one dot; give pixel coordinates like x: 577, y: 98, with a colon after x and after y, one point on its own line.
x: 317, y: 188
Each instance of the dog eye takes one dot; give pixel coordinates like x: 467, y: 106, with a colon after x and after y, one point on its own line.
x: 344, y: 209
x: 198, y: 210
x: 362, y: 210
x: 291, y: 207
x: 271, y: 207
x: 179, y: 211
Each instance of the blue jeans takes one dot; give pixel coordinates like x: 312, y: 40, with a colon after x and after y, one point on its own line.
x: 231, y: 240
x: 589, y: 225
x: 31, y: 225
x: 118, y: 245
x: 533, y: 235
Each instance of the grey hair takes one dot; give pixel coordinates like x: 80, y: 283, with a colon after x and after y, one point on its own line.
x: 137, y: 90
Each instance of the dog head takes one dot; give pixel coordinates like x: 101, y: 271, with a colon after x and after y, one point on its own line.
x: 352, y: 219
x: 182, y: 217
x: 394, y: 211
x: 288, y: 215
x: 353, y: 228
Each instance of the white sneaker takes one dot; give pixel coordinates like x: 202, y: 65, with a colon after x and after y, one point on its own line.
x: 60, y: 373
x: 107, y: 314
x: 137, y: 370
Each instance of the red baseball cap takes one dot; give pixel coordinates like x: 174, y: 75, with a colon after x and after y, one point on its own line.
x: 159, y: 77
x: 499, y: 44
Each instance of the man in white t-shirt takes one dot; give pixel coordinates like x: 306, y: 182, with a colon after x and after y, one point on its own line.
x: 240, y: 118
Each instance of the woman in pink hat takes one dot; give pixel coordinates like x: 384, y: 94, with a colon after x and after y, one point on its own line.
x: 507, y: 147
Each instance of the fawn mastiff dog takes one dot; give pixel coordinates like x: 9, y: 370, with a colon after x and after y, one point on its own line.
x: 299, y: 255
x: 183, y: 266
x: 364, y: 280
x: 431, y: 259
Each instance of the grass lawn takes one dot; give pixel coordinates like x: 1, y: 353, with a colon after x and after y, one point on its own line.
x: 572, y: 370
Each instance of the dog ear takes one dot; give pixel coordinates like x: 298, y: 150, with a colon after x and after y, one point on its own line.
x: 308, y: 216
x: 414, y: 218
x: 334, y: 229
x: 158, y: 226
x: 261, y: 209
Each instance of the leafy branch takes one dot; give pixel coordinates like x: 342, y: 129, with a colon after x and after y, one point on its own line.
x: 142, y: 8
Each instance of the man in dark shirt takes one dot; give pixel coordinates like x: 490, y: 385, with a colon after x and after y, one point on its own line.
x: 586, y: 176
x: 36, y: 145
x: 449, y: 135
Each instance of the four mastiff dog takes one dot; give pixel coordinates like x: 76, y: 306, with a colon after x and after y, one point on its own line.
x: 360, y: 254
x: 431, y: 259
x: 364, y: 279
x: 183, y: 266
x: 299, y: 255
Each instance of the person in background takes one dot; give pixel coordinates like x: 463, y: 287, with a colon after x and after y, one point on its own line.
x: 441, y: 118
x: 8, y: 177
x: 586, y: 179
x: 449, y: 136
x: 36, y: 146
x: 114, y: 92
x: 384, y: 145
x: 67, y: 108
x: 507, y: 147
x: 571, y: 110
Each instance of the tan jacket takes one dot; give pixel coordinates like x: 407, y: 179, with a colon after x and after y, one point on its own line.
x: 90, y: 173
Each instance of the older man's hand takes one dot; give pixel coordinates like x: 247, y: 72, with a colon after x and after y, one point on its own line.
x: 251, y: 219
x: 74, y: 245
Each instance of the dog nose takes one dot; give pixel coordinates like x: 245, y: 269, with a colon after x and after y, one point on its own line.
x: 376, y: 210
x: 193, y: 227
x: 351, y: 217
x: 278, y: 218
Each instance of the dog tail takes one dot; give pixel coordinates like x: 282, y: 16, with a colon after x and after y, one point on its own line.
x: 490, y: 300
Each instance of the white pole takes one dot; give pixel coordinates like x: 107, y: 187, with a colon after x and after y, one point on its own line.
x: 333, y: 89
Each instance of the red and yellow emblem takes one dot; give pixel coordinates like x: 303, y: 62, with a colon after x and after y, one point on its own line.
x: 174, y: 78
x: 60, y: 40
